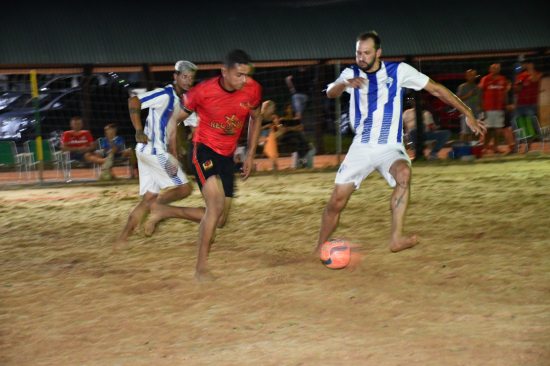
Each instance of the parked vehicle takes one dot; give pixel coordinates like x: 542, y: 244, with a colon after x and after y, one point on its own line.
x: 12, y: 100
x: 106, y: 103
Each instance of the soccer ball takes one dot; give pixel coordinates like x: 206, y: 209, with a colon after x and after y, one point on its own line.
x: 335, y: 253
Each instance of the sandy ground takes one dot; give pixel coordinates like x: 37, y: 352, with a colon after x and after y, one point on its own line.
x: 475, y: 291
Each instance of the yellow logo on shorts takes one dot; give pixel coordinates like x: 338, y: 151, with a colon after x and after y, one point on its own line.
x: 207, y: 164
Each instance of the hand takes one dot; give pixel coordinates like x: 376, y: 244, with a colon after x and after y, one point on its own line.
x: 477, y: 126
x: 356, y: 83
x: 172, y: 165
x: 141, y: 137
x: 247, y: 167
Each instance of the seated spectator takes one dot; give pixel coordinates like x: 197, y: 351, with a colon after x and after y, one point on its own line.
x: 292, y: 138
x: 431, y: 131
x: 113, y: 148
x: 80, y: 144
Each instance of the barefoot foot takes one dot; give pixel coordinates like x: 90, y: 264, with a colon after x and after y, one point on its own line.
x: 403, y: 243
x: 151, y: 223
x: 204, y: 276
x: 120, y: 244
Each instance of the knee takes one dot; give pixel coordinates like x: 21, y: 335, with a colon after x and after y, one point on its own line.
x: 149, y: 199
x: 185, y: 190
x: 336, y: 204
x: 403, y: 175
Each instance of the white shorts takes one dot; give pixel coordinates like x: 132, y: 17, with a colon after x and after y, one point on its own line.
x: 494, y: 119
x: 362, y: 159
x: 157, y: 172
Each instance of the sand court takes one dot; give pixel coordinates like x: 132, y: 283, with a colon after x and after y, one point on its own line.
x: 475, y: 291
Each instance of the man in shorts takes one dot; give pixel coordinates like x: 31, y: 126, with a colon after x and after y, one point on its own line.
x: 494, y: 88
x: 156, y: 147
x: 376, y: 104
x: 223, y: 105
x: 470, y: 94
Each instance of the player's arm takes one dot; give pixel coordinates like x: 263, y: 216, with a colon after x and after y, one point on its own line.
x: 134, y: 107
x: 441, y: 92
x: 336, y: 88
x: 254, y: 125
x: 178, y: 116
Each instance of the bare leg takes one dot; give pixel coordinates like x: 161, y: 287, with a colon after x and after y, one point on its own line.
x: 161, y: 210
x: 175, y: 194
x: 214, y: 197
x: 331, y: 215
x: 401, y: 172
x: 135, y: 217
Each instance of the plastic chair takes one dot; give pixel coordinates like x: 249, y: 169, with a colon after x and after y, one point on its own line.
x: 526, y: 129
x: 9, y: 156
x: 58, y: 158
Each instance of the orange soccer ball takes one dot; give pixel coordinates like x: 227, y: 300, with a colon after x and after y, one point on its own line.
x: 335, y: 253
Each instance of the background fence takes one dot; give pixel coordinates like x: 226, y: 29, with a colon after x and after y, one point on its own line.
x: 99, y: 94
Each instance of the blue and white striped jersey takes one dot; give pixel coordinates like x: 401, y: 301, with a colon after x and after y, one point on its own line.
x: 375, y: 110
x: 161, y: 103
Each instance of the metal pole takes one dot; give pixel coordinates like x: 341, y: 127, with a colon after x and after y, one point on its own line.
x: 37, y: 127
x: 338, y: 121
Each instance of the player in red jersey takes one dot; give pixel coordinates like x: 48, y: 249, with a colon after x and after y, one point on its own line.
x: 223, y: 105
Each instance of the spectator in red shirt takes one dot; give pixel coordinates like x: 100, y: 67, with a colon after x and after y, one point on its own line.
x: 494, y: 88
x: 526, y: 89
x: 223, y: 105
x: 80, y: 143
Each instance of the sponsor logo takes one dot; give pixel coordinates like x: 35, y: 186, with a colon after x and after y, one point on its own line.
x: 230, y: 126
x: 208, y: 165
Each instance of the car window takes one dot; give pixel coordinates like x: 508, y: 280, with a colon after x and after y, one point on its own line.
x: 43, y: 100
x: 62, y: 82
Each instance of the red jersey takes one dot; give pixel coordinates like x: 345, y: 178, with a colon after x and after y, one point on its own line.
x: 222, y: 114
x: 528, y: 93
x: 494, y: 92
x: 80, y: 138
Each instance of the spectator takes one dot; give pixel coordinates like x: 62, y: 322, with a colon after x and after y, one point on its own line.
x: 299, y: 84
x: 470, y: 94
x: 431, y: 130
x: 114, y: 148
x: 494, y: 87
x: 526, y: 89
x: 80, y: 144
x: 269, y: 132
x: 291, y: 136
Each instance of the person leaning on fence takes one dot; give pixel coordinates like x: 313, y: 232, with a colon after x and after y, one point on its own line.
x: 80, y: 143
x: 299, y: 83
x: 376, y: 105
